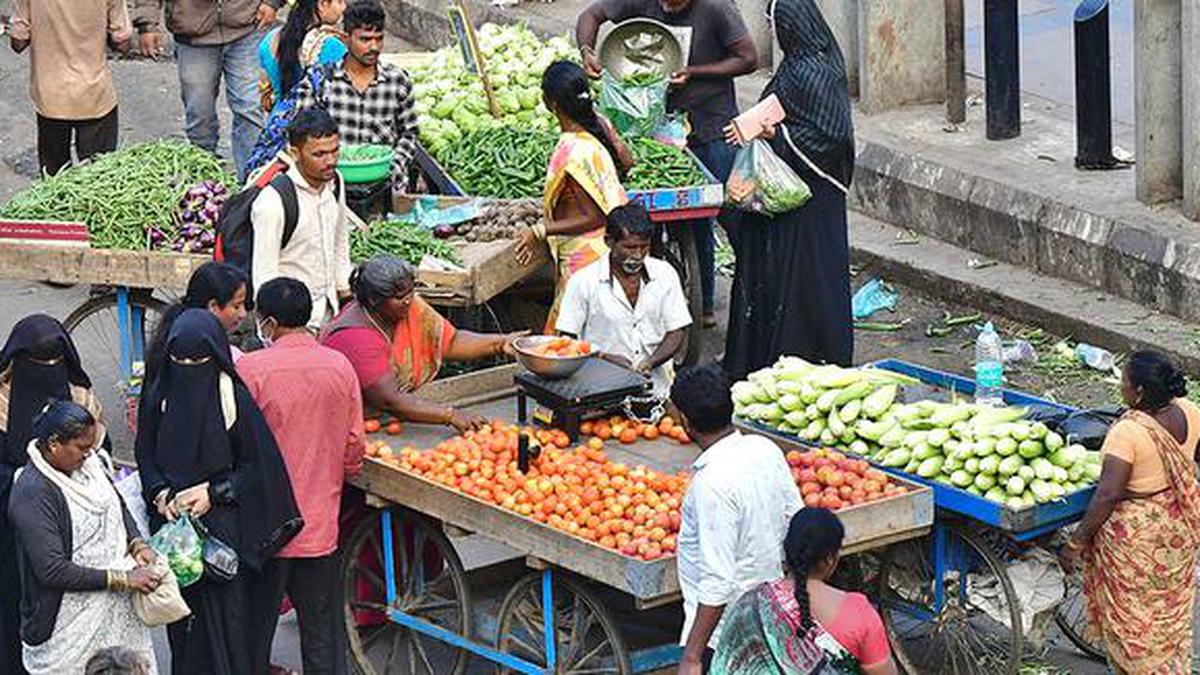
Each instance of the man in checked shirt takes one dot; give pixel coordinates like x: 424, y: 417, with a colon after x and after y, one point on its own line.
x: 371, y: 102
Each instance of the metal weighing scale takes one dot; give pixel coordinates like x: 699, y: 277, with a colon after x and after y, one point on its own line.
x: 598, y: 385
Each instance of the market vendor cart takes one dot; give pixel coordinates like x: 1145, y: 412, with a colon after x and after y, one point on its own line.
x: 947, y: 600
x: 676, y: 245
x: 561, y: 616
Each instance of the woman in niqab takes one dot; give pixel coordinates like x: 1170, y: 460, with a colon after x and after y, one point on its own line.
x: 791, y: 288
x: 204, y: 448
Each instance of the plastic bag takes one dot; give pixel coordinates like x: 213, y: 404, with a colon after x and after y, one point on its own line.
x: 164, y: 605
x: 635, y: 107
x: 763, y: 183
x: 674, y: 130
x: 183, y: 548
x: 872, y: 297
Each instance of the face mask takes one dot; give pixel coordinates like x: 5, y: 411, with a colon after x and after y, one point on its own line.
x: 262, y: 333
x: 632, y: 266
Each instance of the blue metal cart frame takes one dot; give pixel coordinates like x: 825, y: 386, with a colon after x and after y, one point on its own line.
x: 957, y: 509
x: 642, y: 661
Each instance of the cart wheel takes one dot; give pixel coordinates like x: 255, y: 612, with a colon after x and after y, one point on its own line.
x: 586, y: 636
x: 430, y: 584
x: 1071, y: 620
x: 94, y: 328
x: 958, y: 636
x: 679, y: 249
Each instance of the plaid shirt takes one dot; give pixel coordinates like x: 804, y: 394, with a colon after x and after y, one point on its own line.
x: 381, y: 115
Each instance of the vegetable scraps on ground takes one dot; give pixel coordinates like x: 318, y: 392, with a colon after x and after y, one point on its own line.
x: 996, y: 453
x: 132, y: 197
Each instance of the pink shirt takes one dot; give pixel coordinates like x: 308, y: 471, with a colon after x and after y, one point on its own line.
x: 310, y: 397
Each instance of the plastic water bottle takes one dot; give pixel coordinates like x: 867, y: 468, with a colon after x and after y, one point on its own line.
x: 1095, y: 357
x: 989, y: 367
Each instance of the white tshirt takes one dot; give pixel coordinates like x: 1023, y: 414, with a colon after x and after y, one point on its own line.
x: 596, y: 309
x: 735, y: 516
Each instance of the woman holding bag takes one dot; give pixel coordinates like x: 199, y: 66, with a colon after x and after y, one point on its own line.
x: 791, y: 289
x: 79, y: 551
x: 203, y: 447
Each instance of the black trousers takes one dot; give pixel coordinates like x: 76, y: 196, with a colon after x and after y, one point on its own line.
x: 91, y: 137
x: 313, y: 585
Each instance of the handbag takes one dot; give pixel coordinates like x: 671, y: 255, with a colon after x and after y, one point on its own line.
x: 164, y: 605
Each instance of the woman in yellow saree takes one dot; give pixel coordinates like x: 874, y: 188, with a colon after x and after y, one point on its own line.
x: 1138, y: 539
x: 583, y: 181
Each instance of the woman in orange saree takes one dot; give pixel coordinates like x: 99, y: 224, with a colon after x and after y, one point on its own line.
x: 1138, y: 539
x: 583, y: 183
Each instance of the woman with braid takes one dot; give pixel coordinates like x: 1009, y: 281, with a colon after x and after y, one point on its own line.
x: 801, y: 624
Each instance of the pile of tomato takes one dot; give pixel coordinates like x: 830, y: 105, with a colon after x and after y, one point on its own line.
x: 633, y: 510
x: 560, y: 347
x: 830, y: 480
x: 630, y: 431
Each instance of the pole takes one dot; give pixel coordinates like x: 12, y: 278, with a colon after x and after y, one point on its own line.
x: 956, y: 66
x: 1002, y: 69
x: 1093, y: 88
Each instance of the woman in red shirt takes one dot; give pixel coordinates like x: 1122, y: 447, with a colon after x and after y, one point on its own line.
x: 801, y: 624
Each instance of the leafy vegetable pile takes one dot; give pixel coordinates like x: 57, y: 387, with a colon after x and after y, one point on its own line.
x: 364, y: 153
x: 450, y: 102
x: 124, y: 196
x: 658, y: 165
x: 404, y: 240
x: 501, y: 162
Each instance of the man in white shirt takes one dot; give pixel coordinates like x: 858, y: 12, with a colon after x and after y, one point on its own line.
x: 628, y: 304
x: 318, y: 251
x: 735, y: 512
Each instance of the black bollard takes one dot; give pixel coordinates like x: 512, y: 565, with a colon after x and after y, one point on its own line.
x: 1002, y: 69
x: 1093, y: 88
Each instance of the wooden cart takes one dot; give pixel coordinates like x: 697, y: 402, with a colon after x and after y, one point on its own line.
x: 557, y: 614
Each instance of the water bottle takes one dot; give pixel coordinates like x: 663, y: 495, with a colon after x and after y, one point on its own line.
x: 989, y: 367
x: 1095, y: 357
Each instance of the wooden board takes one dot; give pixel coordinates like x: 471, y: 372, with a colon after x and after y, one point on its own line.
x: 134, y: 269
x: 490, y: 267
x: 649, y: 582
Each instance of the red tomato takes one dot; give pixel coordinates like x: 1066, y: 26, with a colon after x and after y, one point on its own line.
x: 831, y: 503
x: 808, y: 476
x: 813, y: 500
x: 394, y: 428
x: 810, y: 488
x: 793, y: 458
x: 835, y: 479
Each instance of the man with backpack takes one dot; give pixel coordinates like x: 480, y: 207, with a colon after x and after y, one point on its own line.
x: 298, y: 219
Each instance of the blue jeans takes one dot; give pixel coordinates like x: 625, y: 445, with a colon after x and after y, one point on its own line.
x: 200, y: 73
x: 717, y: 156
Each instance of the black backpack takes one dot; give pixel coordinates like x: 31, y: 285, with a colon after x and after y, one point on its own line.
x: 235, y: 230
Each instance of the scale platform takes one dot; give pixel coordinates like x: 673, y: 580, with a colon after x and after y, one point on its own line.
x: 597, y: 386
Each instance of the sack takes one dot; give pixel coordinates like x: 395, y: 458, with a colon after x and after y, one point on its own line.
x: 273, y: 138
x: 164, y: 605
x: 635, y: 107
x: 763, y: 183
x: 183, y: 547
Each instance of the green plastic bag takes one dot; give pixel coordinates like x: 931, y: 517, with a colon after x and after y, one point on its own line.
x: 763, y: 183
x: 183, y: 547
x: 635, y: 106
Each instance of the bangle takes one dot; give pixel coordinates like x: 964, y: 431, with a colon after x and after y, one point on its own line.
x: 116, y: 581
x: 539, y: 230
x: 136, y: 544
x: 1073, y: 545
x: 448, y: 416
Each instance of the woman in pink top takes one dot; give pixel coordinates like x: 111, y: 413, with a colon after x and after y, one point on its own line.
x: 801, y: 624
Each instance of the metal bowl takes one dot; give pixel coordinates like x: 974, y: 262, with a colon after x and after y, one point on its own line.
x: 547, y: 367
x: 639, y: 46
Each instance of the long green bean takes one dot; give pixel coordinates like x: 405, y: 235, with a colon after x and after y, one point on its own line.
x: 404, y: 240
x: 122, y: 195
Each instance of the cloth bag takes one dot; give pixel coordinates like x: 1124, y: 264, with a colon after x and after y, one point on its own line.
x: 165, y: 604
x: 761, y: 182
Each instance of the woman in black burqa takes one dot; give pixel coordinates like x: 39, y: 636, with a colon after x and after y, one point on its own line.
x: 39, y: 364
x: 791, y: 289
x: 203, y: 446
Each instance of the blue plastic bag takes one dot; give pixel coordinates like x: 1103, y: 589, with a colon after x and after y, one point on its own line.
x: 872, y: 297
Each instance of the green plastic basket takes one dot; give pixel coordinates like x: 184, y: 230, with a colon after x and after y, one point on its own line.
x: 365, y: 163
